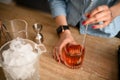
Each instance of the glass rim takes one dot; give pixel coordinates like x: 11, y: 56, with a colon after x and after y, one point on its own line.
x: 76, y: 54
x: 13, y: 20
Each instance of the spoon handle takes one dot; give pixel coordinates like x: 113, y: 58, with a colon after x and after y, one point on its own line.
x: 84, y: 38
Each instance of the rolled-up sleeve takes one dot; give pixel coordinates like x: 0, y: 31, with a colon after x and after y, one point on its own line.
x: 113, y: 28
x: 58, y: 7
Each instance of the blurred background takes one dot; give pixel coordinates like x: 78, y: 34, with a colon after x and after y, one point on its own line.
x: 41, y: 5
x: 35, y: 4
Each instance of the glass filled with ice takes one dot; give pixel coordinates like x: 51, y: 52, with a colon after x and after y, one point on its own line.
x: 19, y: 59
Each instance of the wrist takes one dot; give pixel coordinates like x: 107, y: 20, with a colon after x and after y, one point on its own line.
x: 112, y: 13
x: 63, y: 29
x: 65, y: 33
x: 113, y: 10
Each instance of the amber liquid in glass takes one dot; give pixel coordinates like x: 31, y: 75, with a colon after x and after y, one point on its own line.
x: 72, y: 55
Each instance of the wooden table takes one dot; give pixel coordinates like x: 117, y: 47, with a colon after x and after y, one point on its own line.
x: 100, y: 62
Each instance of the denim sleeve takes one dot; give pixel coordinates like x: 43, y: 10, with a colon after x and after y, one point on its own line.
x: 113, y: 28
x: 58, y: 7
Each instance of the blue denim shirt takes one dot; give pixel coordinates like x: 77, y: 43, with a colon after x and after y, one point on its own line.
x: 74, y: 11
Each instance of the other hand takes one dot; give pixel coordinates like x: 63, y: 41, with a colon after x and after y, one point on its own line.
x: 100, y: 14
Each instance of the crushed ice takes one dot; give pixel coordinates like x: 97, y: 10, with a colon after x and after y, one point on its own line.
x: 19, y: 59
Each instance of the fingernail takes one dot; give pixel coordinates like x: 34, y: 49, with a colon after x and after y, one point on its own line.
x: 88, y: 16
x: 94, y: 27
x: 83, y: 23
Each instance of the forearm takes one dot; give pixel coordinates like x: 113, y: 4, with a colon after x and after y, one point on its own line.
x: 61, y: 20
x: 115, y: 10
x: 58, y: 9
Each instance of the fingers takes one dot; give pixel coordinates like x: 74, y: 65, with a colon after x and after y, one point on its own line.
x: 99, y: 9
x: 101, y: 25
x: 100, y: 14
x: 56, y: 54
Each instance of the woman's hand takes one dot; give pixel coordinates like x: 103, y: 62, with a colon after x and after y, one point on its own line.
x: 100, y: 14
x: 65, y: 38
